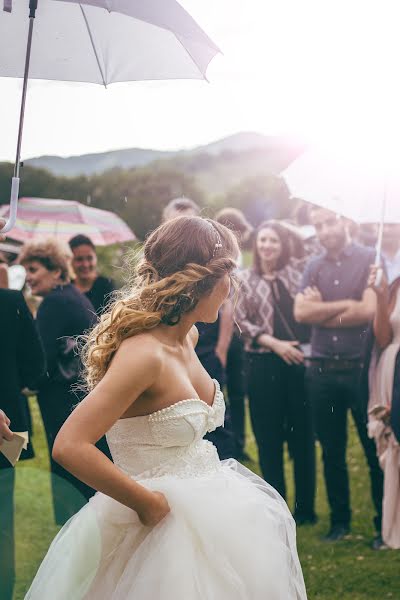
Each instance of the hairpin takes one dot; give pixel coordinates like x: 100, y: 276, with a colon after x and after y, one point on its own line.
x: 218, y: 244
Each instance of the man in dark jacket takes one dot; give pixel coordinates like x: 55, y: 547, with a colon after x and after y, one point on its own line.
x: 21, y: 365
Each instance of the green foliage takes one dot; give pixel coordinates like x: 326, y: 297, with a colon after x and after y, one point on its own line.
x: 139, y: 195
x: 260, y: 197
x: 245, y: 179
x: 112, y: 261
x: 39, y: 183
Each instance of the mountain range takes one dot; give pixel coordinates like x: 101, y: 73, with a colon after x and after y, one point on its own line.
x: 233, y: 157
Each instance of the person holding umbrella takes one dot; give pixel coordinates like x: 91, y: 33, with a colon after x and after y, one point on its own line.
x: 96, y: 287
x: 336, y: 300
x: 383, y: 390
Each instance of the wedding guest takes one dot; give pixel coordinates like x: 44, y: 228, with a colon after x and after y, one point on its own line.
x: 391, y: 250
x: 381, y: 376
x: 63, y: 314
x: 97, y: 288
x: 180, y: 207
x: 21, y: 364
x: 279, y: 406
x: 337, y: 303
x: 367, y: 234
x: 235, y: 220
x: 311, y: 245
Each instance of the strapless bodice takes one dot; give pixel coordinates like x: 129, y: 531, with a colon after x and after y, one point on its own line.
x: 168, y: 441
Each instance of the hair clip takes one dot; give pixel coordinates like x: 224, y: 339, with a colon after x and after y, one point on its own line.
x: 217, y: 246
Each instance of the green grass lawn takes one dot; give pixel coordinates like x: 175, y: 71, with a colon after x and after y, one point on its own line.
x: 347, y: 570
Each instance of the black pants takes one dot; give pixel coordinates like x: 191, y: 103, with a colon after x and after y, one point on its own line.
x: 7, y: 550
x: 280, y: 412
x: 332, y: 393
x: 235, y: 383
x: 69, y: 493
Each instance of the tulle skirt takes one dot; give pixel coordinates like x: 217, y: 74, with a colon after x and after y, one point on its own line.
x: 229, y: 536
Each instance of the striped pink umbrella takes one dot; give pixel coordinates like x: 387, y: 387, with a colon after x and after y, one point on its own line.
x: 39, y: 217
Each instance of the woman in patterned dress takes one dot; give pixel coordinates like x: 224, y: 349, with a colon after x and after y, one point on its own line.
x: 279, y: 406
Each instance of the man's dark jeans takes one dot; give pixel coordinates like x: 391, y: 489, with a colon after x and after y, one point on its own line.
x: 332, y: 393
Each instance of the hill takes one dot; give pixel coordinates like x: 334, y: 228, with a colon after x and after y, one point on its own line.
x: 256, y: 152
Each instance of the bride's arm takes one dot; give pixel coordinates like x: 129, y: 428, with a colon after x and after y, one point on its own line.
x: 134, y: 368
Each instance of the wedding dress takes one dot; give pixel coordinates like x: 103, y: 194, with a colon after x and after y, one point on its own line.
x: 229, y: 535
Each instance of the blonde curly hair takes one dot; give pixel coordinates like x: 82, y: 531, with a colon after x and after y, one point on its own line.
x: 182, y: 261
x: 49, y: 252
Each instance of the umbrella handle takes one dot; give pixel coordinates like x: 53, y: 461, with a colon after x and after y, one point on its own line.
x: 13, y: 206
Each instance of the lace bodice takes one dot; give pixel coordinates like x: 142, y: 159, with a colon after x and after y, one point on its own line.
x: 168, y: 441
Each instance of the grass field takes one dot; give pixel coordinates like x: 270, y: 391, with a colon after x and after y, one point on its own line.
x: 347, y: 570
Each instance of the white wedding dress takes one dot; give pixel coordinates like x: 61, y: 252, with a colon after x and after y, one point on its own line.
x: 229, y: 535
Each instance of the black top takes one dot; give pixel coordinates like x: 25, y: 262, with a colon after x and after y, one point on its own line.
x: 22, y: 360
x: 285, y: 325
x: 99, y: 294
x: 64, y: 312
x: 339, y: 279
x: 208, y: 338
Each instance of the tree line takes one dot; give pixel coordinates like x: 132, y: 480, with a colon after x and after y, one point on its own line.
x: 139, y: 195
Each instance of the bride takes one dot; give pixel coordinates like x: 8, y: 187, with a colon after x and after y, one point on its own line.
x: 169, y: 521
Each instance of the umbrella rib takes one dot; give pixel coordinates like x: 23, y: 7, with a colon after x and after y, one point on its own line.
x: 203, y: 75
x: 93, y: 45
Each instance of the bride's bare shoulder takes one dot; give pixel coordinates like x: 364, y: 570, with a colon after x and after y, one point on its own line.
x: 143, y: 346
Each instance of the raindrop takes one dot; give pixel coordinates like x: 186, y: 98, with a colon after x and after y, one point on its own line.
x: 88, y: 199
x: 126, y: 200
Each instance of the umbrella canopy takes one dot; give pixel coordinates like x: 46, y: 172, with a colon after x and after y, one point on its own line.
x: 105, y: 41
x: 97, y: 41
x: 63, y: 219
x: 353, y: 185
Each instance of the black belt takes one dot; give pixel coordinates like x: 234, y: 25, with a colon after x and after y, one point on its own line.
x: 333, y: 364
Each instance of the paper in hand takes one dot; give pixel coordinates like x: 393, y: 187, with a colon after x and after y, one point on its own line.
x: 12, y: 450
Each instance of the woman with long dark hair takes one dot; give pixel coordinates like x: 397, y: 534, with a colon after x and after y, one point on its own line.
x: 279, y: 406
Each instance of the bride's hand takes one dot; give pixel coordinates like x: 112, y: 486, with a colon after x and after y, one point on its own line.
x: 155, y: 509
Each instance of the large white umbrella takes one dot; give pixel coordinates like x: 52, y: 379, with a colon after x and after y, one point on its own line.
x: 98, y: 41
x: 364, y: 187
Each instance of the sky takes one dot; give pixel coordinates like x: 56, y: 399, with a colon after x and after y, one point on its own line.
x: 324, y: 70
